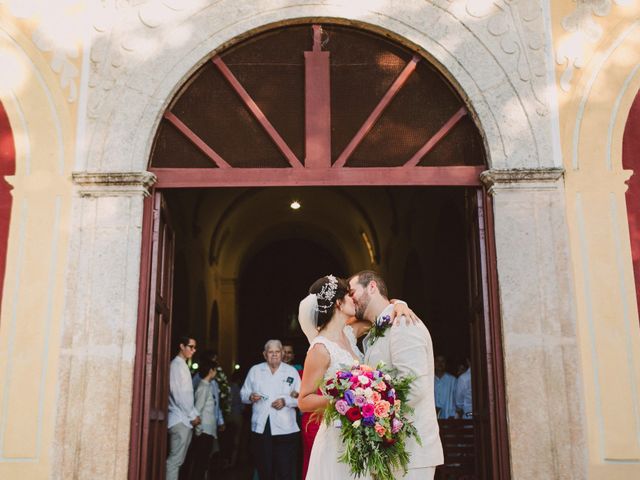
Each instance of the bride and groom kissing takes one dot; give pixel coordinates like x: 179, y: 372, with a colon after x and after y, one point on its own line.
x: 393, y: 336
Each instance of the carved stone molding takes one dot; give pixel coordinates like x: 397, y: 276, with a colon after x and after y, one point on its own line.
x: 529, y: 179
x: 48, y: 20
x: 518, y: 28
x: 113, y: 184
x: 583, y: 28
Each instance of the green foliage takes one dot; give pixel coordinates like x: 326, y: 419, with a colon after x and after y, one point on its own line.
x: 372, y: 449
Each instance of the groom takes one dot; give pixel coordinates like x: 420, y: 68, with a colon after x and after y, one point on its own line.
x: 407, y: 348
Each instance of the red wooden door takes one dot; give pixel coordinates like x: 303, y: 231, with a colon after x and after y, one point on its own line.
x: 491, y: 458
x: 152, y: 394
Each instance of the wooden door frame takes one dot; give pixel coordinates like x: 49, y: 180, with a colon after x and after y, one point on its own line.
x: 453, y: 177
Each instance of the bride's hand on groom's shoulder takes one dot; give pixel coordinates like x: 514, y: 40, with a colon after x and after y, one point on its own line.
x: 401, y: 309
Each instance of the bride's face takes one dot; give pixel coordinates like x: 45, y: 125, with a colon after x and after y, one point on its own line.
x: 347, y: 306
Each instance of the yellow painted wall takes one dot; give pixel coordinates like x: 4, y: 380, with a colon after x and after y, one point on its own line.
x: 598, y: 53
x: 39, y: 89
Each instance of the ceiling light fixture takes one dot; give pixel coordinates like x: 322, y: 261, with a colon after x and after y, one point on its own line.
x: 295, y: 205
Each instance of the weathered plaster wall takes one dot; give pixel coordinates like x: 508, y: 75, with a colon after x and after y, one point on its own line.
x: 39, y: 92
x: 597, y: 50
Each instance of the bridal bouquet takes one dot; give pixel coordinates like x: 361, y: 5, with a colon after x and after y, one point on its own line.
x: 370, y: 405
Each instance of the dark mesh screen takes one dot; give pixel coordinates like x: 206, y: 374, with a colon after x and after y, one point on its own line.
x: 172, y: 150
x: 270, y: 66
x: 417, y: 112
x: 363, y: 67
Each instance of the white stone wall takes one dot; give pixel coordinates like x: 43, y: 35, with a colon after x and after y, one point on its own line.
x: 498, y: 54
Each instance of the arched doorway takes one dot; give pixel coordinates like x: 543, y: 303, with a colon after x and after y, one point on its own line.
x: 310, y: 105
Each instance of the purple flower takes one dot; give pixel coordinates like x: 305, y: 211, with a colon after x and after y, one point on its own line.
x: 385, y: 320
x: 344, y: 375
x: 368, y: 421
x: 360, y: 400
x: 342, y: 407
x: 396, y: 425
x: 349, y: 396
x: 391, y: 395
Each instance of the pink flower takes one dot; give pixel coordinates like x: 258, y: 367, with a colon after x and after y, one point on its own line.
x: 381, y: 386
x: 381, y: 409
x: 359, y: 401
x: 396, y: 425
x: 342, y: 407
x: 367, y: 410
x: 380, y: 430
x: 375, y: 396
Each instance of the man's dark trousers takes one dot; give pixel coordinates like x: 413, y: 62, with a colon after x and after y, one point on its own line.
x: 275, y: 455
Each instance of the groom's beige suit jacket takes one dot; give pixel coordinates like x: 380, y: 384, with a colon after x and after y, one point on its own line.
x: 408, y: 349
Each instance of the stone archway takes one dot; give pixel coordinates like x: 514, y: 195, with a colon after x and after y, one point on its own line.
x: 507, y: 94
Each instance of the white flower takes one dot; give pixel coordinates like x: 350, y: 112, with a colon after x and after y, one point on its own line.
x: 356, y: 424
x: 368, y: 393
x: 364, y: 380
x: 387, y: 377
x: 359, y: 391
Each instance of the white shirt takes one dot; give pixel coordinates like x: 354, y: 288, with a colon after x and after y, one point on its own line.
x: 463, y: 394
x: 272, y: 386
x: 206, y: 404
x: 181, y: 408
x: 445, y: 390
x: 215, y: 391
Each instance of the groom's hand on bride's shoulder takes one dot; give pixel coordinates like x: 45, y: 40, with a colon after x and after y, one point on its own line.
x: 401, y: 309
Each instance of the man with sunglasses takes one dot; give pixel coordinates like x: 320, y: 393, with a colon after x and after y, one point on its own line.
x: 183, y: 415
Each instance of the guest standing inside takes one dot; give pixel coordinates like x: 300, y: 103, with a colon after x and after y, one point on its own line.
x: 183, y: 415
x: 205, y: 433
x: 463, y: 395
x: 275, y: 432
x: 445, y: 387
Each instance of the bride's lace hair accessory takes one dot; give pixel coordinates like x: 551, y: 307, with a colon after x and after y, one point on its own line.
x: 327, y: 295
x: 316, y: 309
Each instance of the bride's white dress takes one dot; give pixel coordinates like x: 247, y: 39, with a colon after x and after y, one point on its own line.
x: 327, y: 447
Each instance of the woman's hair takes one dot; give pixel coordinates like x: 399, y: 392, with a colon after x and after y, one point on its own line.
x: 205, y: 365
x: 328, y: 290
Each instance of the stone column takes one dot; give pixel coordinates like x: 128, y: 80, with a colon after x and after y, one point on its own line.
x: 99, y: 332
x: 544, y: 404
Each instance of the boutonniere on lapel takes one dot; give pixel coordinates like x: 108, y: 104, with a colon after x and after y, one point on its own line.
x: 379, y: 328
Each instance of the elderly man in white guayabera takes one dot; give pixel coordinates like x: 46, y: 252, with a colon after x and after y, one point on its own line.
x: 274, y: 430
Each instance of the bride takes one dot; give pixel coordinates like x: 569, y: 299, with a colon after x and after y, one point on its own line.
x: 323, y: 316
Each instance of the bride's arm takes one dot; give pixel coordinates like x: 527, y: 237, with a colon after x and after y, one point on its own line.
x: 315, y: 366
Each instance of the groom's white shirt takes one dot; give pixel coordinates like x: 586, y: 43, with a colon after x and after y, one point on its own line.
x: 408, y: 348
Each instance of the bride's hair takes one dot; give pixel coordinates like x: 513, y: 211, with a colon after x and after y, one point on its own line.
x: 328, y: 290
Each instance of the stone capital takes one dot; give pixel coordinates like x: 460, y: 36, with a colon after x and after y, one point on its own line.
x: 113, y: 184
x: 521, y: 179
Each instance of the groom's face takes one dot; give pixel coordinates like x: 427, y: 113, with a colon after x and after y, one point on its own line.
x: 361, y: 297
